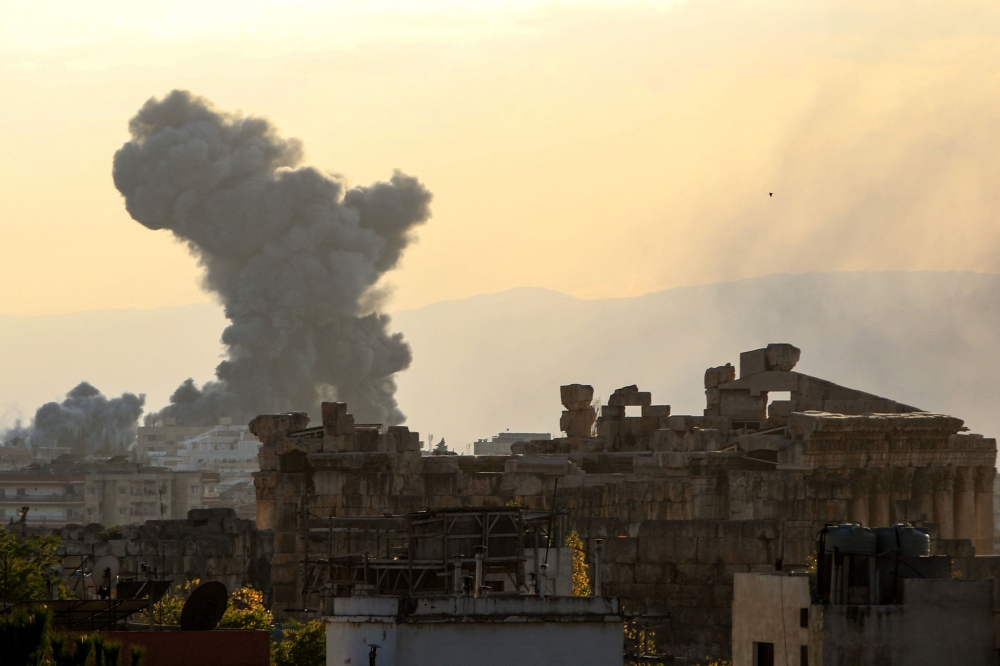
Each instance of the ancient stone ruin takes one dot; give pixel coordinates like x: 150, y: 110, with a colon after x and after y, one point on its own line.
x: 681, y: 502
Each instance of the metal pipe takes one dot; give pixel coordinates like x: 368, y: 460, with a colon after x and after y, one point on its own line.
x: 457, y: 578
x: 479, y: 571
x: 542, y: 580
x: 598, y: 547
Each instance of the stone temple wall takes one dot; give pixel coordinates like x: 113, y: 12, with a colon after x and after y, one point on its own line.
x: 682, y: 502
x: 211, y: 544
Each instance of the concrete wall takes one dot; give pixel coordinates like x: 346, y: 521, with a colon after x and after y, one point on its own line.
x: 767, y: 609
x: 449, y: 631
x: 505, y: 643
x: 482, y: 644
x: 939, y: 622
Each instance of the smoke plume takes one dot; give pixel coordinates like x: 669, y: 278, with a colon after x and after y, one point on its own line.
x: 293, y: 257
x: 87, y: 421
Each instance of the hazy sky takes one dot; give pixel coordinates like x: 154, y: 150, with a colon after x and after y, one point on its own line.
x: 600, y: 149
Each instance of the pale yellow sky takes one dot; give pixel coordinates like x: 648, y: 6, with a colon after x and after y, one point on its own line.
x: 597, y: 148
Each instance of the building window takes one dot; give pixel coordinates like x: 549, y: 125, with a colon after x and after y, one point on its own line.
x: 763, y: 654
x: 20, y: 492
x: 121, y: 512
x: 121, y: 491
x: 804, y: 618
x: 804, y: 655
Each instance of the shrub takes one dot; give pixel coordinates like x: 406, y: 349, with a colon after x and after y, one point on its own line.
x: 300, y: 645
x: 24, y: 636
x: 246, y: 610
x: 24, y: 563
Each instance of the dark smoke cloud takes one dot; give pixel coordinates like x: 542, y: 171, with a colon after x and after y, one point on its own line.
x: 87, y: 421
x: 293, y: 257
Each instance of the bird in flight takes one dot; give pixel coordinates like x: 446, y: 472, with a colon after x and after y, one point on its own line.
x: 770, y: 194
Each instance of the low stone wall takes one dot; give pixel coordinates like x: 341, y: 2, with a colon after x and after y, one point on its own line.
x: 210, y: 544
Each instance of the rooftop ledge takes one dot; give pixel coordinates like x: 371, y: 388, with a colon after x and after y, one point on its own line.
x: 449, y: 608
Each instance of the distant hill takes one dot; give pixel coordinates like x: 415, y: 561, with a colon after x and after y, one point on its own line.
x: 142, y: 351
x: 492, y: 362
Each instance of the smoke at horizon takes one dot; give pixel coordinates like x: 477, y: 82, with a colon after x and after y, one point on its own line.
x: 87, y: 421
x: 294, y: 258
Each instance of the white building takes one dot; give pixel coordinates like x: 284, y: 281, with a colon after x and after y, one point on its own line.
x: 500, y: 444
x: 487, y: 631
x: 230, y: 450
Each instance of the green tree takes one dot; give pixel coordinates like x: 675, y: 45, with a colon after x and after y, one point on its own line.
x: 24, y: 636
x: 246, y: 610
x: 300, y: 645
x: 25, y: 566
x: 168, y: 609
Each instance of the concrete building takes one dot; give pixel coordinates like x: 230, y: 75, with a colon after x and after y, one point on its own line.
x: 935, y: 621
x: 682, y: 502
x: 500, y: 444
x: 227, y: 449
x: 53, y: 499
x: 488, y: 631
x: 77, y: 489
x: 164, y: 438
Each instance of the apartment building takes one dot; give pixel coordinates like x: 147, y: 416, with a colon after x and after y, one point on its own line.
x: 164, y: 438
x: 228, y: 449
x: 77, y: 489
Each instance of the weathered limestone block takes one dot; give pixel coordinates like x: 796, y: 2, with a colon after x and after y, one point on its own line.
x: 752, y: 362
x: 779, y: 411
x: 630, y: 396
x: 613, y: 411
x: 269, y: 428
x: 547, y: 465
x: 742, y: 405
x: 609, y: 429
x: 576, y: 396
x: 782, y: 356
x: 403, y: 439
x: 579, y: 422
x: 336, y: 419
x: 655, y: 411
x: 668, y: 550
x: 722, y: 374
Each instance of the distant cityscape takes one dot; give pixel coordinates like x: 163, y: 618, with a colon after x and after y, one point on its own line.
x: 170, y: 470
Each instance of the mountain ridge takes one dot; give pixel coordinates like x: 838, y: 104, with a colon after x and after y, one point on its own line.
x: 495, y: 361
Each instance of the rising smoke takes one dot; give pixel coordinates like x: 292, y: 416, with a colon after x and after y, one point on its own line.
x: 293, y: 257
x: 87, y: 421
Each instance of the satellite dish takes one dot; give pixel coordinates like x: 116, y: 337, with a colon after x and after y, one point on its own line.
x: 204, y: 608
x: 106, y: 571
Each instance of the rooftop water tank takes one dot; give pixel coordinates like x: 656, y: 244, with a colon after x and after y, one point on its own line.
x: 851, y: 539
x: 909, y: 540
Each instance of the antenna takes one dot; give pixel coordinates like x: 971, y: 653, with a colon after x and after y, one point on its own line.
x: 106, y: 572
x: 204, y: 608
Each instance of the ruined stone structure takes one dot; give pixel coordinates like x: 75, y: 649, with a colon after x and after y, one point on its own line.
x: 683, y: 502
x: 211, y: 544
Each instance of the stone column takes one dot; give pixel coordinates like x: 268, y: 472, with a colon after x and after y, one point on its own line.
x: 922, y: 492
x: 965, y: 503
x: 860, y: 482
x: 901, y: 480
x: 944, y: 502
x: 878, y: 505
x: 984, y: 510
